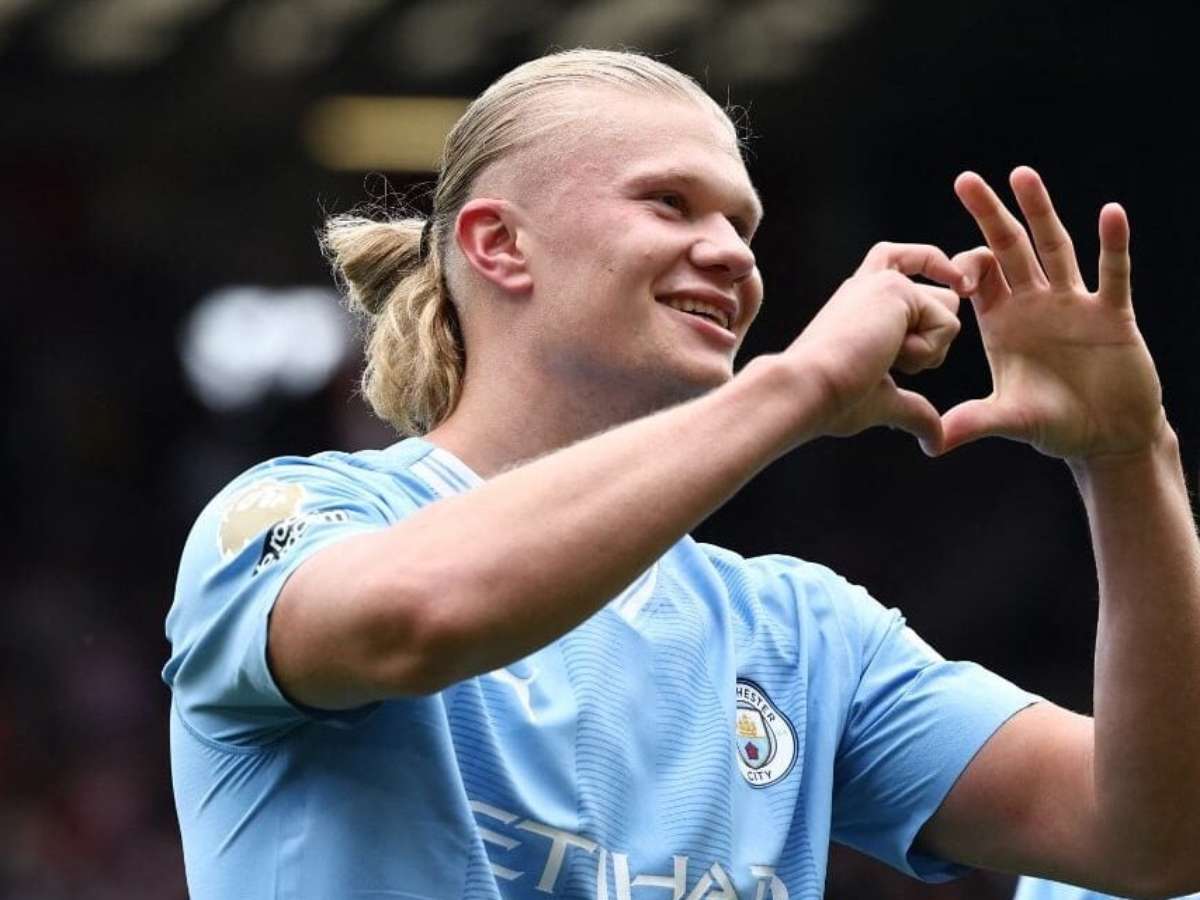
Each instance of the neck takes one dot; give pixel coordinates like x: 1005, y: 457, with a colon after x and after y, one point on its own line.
x: 502, y: 422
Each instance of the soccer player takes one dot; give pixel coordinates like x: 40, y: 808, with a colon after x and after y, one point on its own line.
x: 488, y: 661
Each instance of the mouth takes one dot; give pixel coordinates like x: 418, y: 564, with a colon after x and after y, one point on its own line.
x: 719, y: 314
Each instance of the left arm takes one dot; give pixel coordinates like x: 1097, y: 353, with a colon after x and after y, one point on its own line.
x: 1112, y: 803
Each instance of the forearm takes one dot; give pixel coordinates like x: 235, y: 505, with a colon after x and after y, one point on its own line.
x: 550, y: 542
x: 476, y: 581
x: 1147, y: 678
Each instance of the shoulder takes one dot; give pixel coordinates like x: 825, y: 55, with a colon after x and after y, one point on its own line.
x: 366, y: 473
x: 283, y: 509
x: 786, y: 582
x: 373, y: 483
x: 243, y: 547
x: 810, y: 599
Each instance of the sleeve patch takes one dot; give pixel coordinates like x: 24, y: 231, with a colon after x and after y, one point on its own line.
x: 285, y: 534
x: 255, y: 509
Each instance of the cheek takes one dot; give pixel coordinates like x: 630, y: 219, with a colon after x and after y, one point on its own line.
x: 752, y: 296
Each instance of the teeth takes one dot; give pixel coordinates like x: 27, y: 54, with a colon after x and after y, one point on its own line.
x: 689, y: 305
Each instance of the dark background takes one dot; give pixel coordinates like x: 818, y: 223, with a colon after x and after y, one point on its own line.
x: 131, y: 189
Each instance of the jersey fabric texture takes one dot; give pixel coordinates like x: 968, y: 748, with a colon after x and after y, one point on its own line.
x: 1037, y: 889
x: 705, y: 734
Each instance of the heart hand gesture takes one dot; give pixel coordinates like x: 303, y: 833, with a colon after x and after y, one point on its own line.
x: 1071, y: 374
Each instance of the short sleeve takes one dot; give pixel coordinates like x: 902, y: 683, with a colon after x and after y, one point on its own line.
x: 242, y: 549
x: 915, y: 722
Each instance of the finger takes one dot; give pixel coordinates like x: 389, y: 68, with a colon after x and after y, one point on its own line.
x: 977, y: 419
x: 937, y: 325
x: 988, y: 285
x: 1051, y: 239
x: 1115, y: 288
x: 909, y: 411
x: 918, y: 353
x: 913, y: 259
x: 1002, y: 231
x: 944, y: 297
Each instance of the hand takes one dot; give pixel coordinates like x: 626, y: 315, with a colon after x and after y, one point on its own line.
x: 1071, y: 374
x: 880, y: 319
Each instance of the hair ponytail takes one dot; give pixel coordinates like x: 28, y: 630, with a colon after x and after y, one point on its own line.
x: 414, y: 348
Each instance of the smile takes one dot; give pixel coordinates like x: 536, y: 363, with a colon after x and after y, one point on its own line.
x: 695, y: 307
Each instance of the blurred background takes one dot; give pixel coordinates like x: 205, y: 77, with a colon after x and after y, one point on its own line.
x: 164, y: 165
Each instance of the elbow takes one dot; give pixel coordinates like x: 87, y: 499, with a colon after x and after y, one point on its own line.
x: 413, y: 639
x: 1162, y: 873
x: 1160, y: 893
x: 1176, y: 878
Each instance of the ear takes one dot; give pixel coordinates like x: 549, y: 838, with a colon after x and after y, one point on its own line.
x: 486, y: 231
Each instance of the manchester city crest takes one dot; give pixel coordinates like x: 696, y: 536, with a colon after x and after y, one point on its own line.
x: 764, y: 736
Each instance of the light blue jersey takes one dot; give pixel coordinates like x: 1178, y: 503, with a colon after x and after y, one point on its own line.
x: 704, y: 735
x: 1037, y: 889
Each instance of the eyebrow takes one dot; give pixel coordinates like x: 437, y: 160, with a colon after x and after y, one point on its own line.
x: 751, y: 209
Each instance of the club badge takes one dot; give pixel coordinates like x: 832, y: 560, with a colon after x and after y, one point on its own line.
x: 765, y: 738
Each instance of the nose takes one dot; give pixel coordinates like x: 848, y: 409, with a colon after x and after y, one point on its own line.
x: 721, y: 249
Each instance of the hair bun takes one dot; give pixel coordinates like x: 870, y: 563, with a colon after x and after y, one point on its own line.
x: 370, y: 257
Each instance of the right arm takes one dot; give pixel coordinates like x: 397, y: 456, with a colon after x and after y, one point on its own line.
x: 476, y: 581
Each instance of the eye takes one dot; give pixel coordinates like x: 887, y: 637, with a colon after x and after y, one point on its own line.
x: 673, y: 200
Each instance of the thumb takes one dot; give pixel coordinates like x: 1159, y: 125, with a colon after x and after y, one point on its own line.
x: 909, y: 411
x: 975, y: 419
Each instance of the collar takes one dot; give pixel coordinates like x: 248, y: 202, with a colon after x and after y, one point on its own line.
x: 444, y: 472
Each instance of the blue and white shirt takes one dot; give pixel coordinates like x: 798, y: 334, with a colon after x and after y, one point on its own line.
x: 704, y: 735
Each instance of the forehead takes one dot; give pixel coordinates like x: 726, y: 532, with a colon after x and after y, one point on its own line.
x: 622, y: 138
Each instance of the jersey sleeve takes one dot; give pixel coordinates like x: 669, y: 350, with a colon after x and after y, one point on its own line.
x: 241, y: 551
x: 915, y: 722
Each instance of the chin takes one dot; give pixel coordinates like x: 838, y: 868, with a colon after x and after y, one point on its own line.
x: 621, y: 394
x: 697, y: 382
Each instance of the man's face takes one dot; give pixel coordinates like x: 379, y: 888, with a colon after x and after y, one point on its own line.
x: 643, y: 277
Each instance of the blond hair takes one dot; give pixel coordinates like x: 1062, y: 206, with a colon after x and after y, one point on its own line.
x: 393, y: 270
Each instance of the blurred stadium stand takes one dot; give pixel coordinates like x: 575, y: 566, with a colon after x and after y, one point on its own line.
x: 164, y: 165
